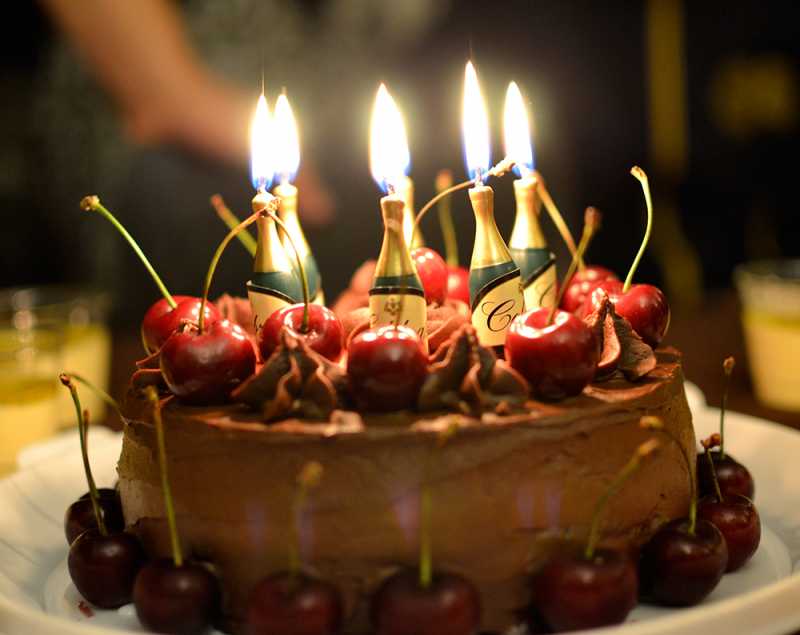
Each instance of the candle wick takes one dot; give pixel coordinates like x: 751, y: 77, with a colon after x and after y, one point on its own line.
x: 390, y: 189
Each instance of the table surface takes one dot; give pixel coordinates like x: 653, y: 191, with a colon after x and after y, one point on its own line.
x: 706, y: 337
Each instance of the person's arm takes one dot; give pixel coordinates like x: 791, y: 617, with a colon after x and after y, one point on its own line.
x: 140, y: 54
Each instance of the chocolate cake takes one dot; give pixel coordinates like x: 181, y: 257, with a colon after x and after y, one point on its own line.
x: 505, y: 488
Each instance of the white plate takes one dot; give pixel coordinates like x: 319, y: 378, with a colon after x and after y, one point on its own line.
x: 36, y: 595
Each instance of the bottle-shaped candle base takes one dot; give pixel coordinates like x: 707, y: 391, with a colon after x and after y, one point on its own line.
x: 537, y: 268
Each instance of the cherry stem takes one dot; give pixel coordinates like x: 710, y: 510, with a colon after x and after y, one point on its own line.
x: 308, y: 478
x: 558, y: 220
x: 640, y: 175
x: 300, y: 270
x: 654, y: 423
x: 498, y: 170
x: 108, y: 399
x: 83, y: 428
x: 633, y: 464
x: 215, y: 260
x: 444, y: 180
x: 717, y: 490
x: 426, y: 510
x: 177, y: 556
x: 727, y: 367
x: 590, y: 224
x: 231, y: 220
x: 92, y: 204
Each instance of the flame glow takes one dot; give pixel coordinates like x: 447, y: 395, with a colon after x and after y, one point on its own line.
x: 261, y: 167
x: 388, y: 145
x: 286, y: 141
x: 475, y: 126
x: 517, y: 132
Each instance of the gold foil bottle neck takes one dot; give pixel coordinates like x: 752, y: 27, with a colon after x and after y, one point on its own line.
x: 394, y: 259
x: 270, y: 254
x: 490, y: 248
x: 287, y: 212
x: 406, y: 192
x: 527, y: 232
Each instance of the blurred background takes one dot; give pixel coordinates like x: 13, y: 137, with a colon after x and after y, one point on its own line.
x: 148, y: 105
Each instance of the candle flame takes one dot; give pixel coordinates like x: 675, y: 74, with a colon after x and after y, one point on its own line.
x: 388, y: 145
x: 516, y: 131
x: 261, y: 166
x: 286, y: 141
x: 475, y: 126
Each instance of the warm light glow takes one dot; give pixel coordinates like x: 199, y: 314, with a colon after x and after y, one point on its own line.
x: 261, y: 167
x: 475, y: 126
x: 286, y: 141
x: 517, y: 132
x: 388, y: 146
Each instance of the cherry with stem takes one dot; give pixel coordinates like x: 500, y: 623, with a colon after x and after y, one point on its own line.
x: 164, y: 316
x: 643, y: 305
x: 733, y: 514
x: 553, y: 349
x: 597, y: 587
x: 81, y: 515
x: 425, y: 601
x: 102, y: 564
x: 734, y: 478
x: 686, y: 558
x: 291, y: 602
x: 173, y: 595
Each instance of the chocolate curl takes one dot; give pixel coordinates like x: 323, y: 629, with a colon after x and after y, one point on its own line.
x: 294, y: 381
x: 468, y: 377
x: 620, y: 346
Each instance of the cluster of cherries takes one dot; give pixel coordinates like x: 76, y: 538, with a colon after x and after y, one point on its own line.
x: 679, y: 566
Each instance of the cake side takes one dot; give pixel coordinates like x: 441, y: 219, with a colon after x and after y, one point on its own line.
x: 502, y: 488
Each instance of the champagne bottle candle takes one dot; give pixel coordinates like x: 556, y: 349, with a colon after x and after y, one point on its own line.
x: 396, y: 296
x: 495, y: 286
x: 528, y: 246
x: 274, y: 283
x: 287, y: 149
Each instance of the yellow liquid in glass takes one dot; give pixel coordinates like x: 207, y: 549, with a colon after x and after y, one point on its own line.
x: 87, y: 351
x: 28, y: 405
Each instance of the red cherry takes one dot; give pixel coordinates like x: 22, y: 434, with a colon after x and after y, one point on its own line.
x: 176, y: 599
x: 679, y: 568
x: 458, y: 284
x: 646, y: 308
x: 738, y: 520
x: 612, y: 288
x: 104, y: 568
x: 557, y: 359
x: 283, y: 604
x: 80, y: 515
x: 203, y: 368
x: 161, y: 320
x: 733, y: 477
x: 573, y: 593
x: 582, y: 284
x: 432, y: 270
x: 386, y: 367
x: 325, y: 334
x: 450, y: 604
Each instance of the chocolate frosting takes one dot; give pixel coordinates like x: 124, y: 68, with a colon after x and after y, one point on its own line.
x: 502, y: 487
x: 294, y: 382
x: 467, y: 377
x: 621, y: 348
